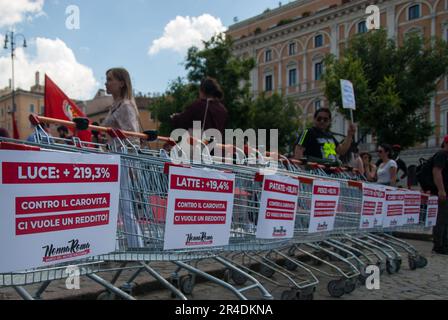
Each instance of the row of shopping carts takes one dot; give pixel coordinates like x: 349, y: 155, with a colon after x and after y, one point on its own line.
x: 251, y: 268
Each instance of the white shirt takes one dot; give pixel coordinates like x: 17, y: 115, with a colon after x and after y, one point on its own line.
x: 383, y: 172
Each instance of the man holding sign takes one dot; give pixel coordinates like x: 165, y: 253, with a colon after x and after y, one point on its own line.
x: 317, y: 143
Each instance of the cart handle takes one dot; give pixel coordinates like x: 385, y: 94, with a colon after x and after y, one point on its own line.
x: 150, y: 135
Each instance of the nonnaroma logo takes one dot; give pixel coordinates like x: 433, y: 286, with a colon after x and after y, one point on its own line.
x: 73, y: 249
x: 198, y: 240
x: 322, y: 226
x: 279, y: 232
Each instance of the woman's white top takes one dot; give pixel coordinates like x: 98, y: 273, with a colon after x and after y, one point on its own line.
x: 383, y: 172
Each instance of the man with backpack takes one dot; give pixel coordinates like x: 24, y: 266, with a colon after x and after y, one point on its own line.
x: 433, y: 177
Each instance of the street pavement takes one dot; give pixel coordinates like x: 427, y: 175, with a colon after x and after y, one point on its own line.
x: 430, y: 283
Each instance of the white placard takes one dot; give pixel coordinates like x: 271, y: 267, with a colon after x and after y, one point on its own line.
x: 394, y: 206
x: 380, y: 211
x: 56, y: 207
x: 372, y: 202
x: 432, y: 211
x: 348, y: 95
x: 278, y: 207
x: 412, y: 204
x: 324, y: 203
x: 199, y: 209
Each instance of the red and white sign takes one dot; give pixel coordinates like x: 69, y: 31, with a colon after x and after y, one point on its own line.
x: 57, y: 207
x: 380, y: 211
x: 372, y: 203
x: 278, y: 206
x: 412, y: 204
x: 394, y: 208
x: 324, y: 204
x: 432, y: 210
x: 199, y: 208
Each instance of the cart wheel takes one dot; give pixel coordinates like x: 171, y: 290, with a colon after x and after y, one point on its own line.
x: 335, y: 288
x: 175, y: 282
x: 421, y: 262
x: 266, y: 271
x: 290, y: 265
x: 391, y: 266
x: 237, y: 277
x: 350, y: 286
x: 381, y: 266
x: 304, y: 296
x: 412, y: 263
x: 128, y: 287
x: 186, y: 284
x: 398, y: 264
x: 289, y: 295
x: 106, y: 295
x: 362, y: 279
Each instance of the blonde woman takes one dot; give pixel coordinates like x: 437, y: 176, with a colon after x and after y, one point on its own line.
x: 123, y: 113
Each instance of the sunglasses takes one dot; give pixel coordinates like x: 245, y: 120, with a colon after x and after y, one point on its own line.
x: 380, y: 151
x: 320, y: 119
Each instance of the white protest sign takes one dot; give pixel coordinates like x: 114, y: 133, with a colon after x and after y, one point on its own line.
x: 278, y: 206
x: 394, y: 207
x: 56, y: 207
x: 348, y: 95
x: 371, y: 199
x: 380, y: 211
x: 199, y: 209
x: 412, y: 203
x: 324, y: 203
x: 432, y: 211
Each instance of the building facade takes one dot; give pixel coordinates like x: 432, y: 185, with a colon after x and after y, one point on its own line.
x: 290, y: 42
x: 26, y: 102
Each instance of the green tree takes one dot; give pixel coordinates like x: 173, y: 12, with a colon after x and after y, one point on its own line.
x: 233, y: 74
x: 392, y: 84
x: 276, y: 112
x: 174, y: 100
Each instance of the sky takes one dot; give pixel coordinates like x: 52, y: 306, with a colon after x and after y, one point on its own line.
x: 149, y: 38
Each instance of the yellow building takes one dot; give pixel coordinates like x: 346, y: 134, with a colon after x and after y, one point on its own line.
x: 290, y: 42
x: 26, y: 102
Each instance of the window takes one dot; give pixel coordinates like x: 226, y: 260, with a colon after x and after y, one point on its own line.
x: 292, y: 76
x: 318, y: 71
x: 317, y: 105
x: 42, y: 110
x: 414, y: 12
x: 362, y: 27
x: 268, y: 83
x: 268, y: 56
x: 2, y: 113
x: 292, y: 49
x: 32, y: 108
x: 318, y: 41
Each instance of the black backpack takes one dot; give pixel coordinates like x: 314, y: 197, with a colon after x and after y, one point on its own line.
x: 424, y: 175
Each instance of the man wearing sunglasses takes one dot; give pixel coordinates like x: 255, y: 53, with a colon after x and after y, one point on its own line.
x: 318, y: 144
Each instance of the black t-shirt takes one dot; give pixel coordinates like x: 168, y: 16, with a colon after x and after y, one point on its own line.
x: 438, y: 160
x: 318, y: 144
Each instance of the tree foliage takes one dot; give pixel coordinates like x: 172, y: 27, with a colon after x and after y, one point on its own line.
x: 233, y: 73
x: 393, y: 85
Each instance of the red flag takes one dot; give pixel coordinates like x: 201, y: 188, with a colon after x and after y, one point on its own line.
x: 15, y: 130
x: 59, y: 106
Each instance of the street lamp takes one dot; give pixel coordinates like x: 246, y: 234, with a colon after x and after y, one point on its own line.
x: 12, y: 44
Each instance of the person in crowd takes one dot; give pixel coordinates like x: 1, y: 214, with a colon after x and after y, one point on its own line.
x: 42, y: 132
x: 387, y: 170
x: 123, y: 114
x: 208, y: 109
x: 4, y: 133
x: 97, y: 136
x: 318, y: 143
x: 435, y: 180
x: 369, y: 167
x: 352, y: 159
x: 63, y: 133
